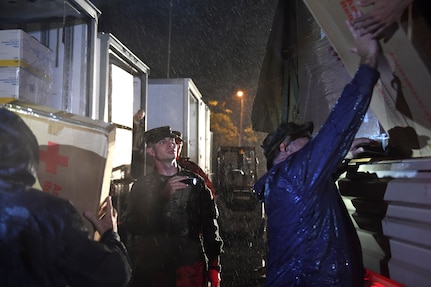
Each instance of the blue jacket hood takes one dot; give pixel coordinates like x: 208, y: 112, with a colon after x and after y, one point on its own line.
x: 19, y: 150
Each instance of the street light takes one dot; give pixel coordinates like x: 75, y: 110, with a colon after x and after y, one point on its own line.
x: 240, y: 94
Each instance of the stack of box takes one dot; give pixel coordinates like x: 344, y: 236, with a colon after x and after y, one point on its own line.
x: 25, y: 67
x: 402, y: 96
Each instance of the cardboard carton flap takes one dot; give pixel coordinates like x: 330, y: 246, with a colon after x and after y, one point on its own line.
x: 75, y: 154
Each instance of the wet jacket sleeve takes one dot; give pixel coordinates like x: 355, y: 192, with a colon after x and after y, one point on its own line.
x: 90, y: 263
x: 213, y: 244
x: 329, y: 147
x: 57, y: 245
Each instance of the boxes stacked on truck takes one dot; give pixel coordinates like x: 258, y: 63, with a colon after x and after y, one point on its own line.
x: 401, y: 99
x: 75, y: 154
x: 25, y: 67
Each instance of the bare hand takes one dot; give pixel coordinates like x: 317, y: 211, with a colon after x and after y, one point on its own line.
x: 138, y: 117
x: 384, y: 14
x: 173, y: 184
x: 357, y: 146
x: 365, y: 45
x: 106, y: 218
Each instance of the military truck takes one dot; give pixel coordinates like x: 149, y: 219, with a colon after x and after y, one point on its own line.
x: 235, y: 175
x: 242, y: 222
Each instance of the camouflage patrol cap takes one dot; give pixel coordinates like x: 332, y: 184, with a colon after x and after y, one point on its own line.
x: 157, y: 134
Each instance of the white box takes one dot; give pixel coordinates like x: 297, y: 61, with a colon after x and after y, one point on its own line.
x: 18, y: 48
x: 18, y: 82
x: 25, y: 67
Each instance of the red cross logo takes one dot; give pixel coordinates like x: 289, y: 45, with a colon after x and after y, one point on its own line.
x: 52, y: 159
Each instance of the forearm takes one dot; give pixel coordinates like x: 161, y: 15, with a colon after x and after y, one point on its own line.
x: 335, y: 137
x: 103, y: 263
x: 369, y: 60
x: 112, y: 239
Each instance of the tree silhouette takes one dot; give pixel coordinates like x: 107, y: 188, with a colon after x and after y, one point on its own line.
x: 223, y: 129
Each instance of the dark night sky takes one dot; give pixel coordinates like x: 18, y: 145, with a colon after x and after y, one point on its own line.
x: 220, y: 44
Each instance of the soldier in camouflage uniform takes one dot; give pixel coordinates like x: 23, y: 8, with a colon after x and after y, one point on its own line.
x: 171, y: 219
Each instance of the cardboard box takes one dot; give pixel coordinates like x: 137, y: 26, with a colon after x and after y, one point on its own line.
x: 401, y: 98
x: 18, y: 82
x: 75, y: 154
x: 17, y: 48
x: 25, y: 67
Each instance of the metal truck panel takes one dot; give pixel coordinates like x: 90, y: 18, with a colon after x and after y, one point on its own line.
x: 116, y: 101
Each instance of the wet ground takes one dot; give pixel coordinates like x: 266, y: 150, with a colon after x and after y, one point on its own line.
x: 241, y: 261
x: 244, y: 246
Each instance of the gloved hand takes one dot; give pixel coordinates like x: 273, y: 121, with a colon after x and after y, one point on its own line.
x: 214, y: 277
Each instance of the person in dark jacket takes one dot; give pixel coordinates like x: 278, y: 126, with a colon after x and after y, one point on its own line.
x: 171, y: 218
x: 43, y: 239
x: 186, y: 163
x: 311, y: 238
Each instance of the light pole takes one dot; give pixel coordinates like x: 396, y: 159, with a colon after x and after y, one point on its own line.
x: 240, y: 94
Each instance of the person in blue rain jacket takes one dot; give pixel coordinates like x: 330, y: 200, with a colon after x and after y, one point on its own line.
x: 311, y: 238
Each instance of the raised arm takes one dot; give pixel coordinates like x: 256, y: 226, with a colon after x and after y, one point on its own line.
x: 366, y: 46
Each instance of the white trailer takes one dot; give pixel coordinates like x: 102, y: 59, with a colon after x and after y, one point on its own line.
x: 179, y: 104
x: 92, y: 79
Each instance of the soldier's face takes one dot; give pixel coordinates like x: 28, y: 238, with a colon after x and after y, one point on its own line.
x: 165, y: 149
